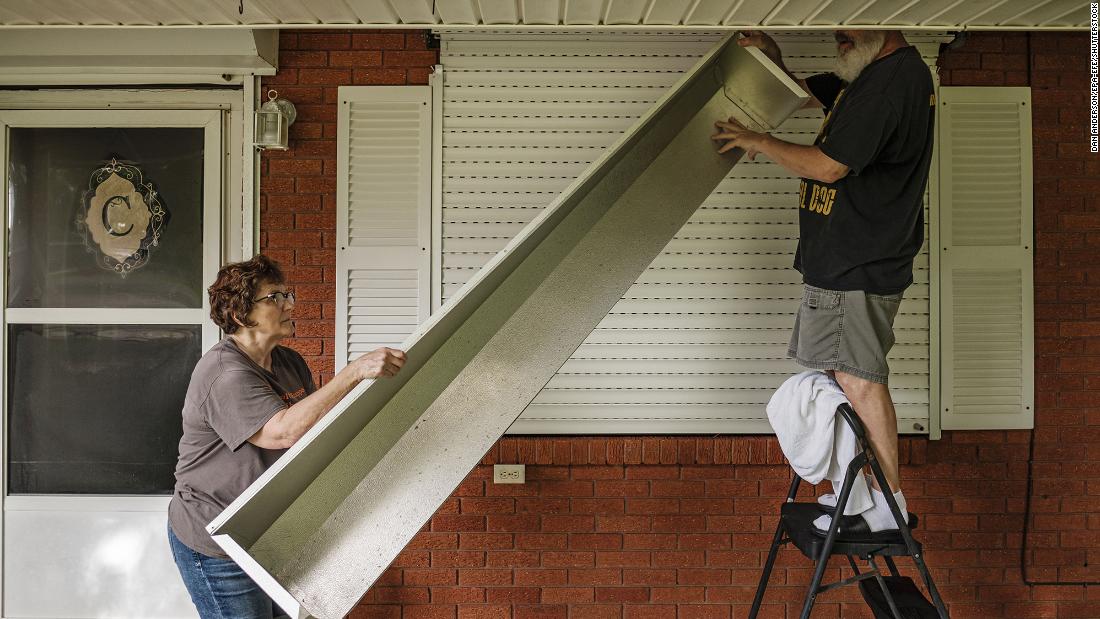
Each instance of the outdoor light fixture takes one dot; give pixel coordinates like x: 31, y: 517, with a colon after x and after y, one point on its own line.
x: 273, y: 119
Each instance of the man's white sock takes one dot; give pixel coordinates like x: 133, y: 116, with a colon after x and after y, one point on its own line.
x: 879, y: 517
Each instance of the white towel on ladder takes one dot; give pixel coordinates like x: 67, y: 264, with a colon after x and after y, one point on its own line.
x: 817, y: 442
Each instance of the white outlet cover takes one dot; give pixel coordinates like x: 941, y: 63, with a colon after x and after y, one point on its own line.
x: 508, y: 474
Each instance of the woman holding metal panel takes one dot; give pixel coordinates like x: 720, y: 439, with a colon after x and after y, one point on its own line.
x: 250, y: 398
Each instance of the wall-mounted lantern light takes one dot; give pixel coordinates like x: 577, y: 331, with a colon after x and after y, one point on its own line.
x: 273, y: 119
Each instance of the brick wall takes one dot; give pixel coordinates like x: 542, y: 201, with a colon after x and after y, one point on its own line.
x: 678, y: 527
x: 1064, y: 539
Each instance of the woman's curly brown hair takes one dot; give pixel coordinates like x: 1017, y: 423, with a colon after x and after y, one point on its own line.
x: 237, y: 284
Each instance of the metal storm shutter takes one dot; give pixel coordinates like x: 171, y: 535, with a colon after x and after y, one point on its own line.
x: 986, y: 256
x: 383, y: 222
x: 698, y: 344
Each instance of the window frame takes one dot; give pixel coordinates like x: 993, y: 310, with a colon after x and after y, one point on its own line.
x: 213, y: 122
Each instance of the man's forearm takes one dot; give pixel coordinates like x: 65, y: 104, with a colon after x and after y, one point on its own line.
x: 804, y: 161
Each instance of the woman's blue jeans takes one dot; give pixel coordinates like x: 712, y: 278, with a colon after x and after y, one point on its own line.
x: 219, y: 588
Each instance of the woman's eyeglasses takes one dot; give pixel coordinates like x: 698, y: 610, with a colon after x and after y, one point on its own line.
x: 278, y: 298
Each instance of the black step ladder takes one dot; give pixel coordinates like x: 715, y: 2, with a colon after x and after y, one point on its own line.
x: 796, y: 526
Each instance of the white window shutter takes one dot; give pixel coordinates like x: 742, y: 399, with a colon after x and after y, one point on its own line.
x: 699, y: 343
x: 986, y: 254
x: 383, y: 223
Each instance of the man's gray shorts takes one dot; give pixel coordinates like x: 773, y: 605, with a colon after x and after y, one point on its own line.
x: 851, y: 331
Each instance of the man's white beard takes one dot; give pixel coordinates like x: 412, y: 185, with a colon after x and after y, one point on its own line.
x: 864, y: 49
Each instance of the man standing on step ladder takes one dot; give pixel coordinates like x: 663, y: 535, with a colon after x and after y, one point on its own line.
x: 861, y: 223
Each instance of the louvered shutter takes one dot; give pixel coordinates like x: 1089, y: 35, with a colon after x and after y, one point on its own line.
x: 383, y: 227
x: 699, y: 343
x: 986, y: 258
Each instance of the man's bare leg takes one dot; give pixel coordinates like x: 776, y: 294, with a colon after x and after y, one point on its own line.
x: 875, y: 408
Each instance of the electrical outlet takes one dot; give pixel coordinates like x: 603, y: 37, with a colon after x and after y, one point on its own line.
x: 508, y: 474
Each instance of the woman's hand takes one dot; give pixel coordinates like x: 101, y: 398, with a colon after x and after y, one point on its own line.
x: 378, y: 363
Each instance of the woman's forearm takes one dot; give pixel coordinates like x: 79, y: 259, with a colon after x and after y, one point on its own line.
x: 286, y: 427
x: 289, y: 425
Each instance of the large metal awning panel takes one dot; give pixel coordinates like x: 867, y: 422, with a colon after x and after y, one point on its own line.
x: 319, y: 527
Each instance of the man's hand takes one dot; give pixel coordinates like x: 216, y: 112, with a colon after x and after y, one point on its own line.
x: 766, y: 44
x: 737, y: 136
x: 378, y: 363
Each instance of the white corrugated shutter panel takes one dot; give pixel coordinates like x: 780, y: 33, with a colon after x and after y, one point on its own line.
x: 383, y: 227
x: 986, y: 256
x: 699, y: 343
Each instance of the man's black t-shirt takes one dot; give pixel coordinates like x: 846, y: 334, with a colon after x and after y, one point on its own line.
x: 862, y: 232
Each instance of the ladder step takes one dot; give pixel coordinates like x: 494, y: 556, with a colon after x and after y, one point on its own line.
x: 797, y: 521
x: 908, y: 598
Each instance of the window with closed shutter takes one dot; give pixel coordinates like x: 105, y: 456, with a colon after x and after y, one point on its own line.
x: 699, y: 343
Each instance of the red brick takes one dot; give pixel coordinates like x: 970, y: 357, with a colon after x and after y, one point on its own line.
x: 428, y: 611
x: 649, y: 577
x: 512, y: 523
x: 1003, y: 62
x: 678, y: 594
x: 417, y: 39
x: 703, y: 576
x: 486, y: 541
x: 302, y: 59
x: 961, y: 60
x: 272, y: 220
x: 325, y: 41
x: 540, y: 577
x: 382, y: 76
x: 622, y: 559
x: 649, y: 611
x: 316, y: 113
x: 596, y: 611
x: 401, y: 595
x: 355, y: 59
x: 320, y: 149
x: 378, y: 40
x: 984, y: 42
x: 703, y: 611
x: 513, y: 595
x: 974, y: 77
x: 287, y: 40
x: 485, y: 578
x: 458, y: 522
x: 294, y: 167
x: 484, y: 612
x: 622, y: 595
x: 285, y: 76
x: 326, y: 77
x: 568, y: 595
x: 512, y: 558
x: 570, y: 523
x: 303, y: 238
x: 410, y: 58
x: 595, y: 576
x: 676, y: 488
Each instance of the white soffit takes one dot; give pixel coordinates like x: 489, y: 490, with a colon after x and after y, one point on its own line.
x: 128, y: 55
x: 535, y: 14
